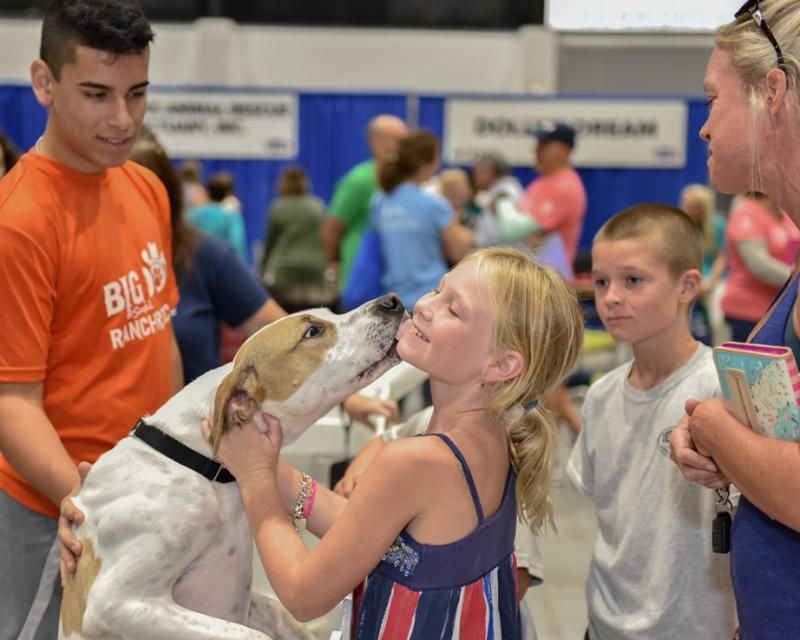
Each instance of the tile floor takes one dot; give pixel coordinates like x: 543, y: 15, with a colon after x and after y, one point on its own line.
x: 558, y: 604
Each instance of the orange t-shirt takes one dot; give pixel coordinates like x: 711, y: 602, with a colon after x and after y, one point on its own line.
x: 558, y: 203
x: 87, y: 294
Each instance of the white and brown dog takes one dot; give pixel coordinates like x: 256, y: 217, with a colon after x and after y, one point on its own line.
x: 167, y: 550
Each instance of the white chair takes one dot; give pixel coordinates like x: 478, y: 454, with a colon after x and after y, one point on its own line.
x: 347, y: 620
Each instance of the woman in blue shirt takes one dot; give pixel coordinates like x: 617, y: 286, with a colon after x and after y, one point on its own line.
x: 419, y: 232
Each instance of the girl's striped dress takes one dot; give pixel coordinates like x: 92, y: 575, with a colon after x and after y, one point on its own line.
x: 466, y: 590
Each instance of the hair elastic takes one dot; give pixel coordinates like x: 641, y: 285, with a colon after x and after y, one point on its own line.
x: 531, y: 405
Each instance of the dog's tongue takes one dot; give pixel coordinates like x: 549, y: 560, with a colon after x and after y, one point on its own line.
x: 402, y: 329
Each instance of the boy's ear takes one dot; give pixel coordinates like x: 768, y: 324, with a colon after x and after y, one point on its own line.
x: 42, y: 80
x: 690, y: 285
x: 508, y: 365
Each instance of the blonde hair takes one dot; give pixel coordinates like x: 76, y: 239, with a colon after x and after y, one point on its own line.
x: 675, y: 237
x: 703, y: 196
x: 753, y: 56
x: 538, y: 315
x: 454, y: 176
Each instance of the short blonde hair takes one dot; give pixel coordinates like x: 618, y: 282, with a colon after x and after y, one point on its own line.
x: 454, y: 176
x: 676, y: 239
x: 538, y: 315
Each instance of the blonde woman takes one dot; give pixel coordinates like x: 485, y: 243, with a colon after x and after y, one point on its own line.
x: 697, y: 200
x: 753, y: 136
x: 708, y: 322
x: 457, y: 190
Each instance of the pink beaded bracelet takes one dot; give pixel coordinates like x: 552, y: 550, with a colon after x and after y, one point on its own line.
x: 310, y: 501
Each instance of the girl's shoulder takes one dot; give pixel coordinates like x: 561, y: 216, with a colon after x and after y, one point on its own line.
x: 415, y: 456
x: 414, y: 464
x: 422, y: 448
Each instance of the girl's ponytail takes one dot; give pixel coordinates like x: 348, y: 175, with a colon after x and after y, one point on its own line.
x: 537, y: 315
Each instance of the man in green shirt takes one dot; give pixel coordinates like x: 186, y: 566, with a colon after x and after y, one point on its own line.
x: 349, y: 209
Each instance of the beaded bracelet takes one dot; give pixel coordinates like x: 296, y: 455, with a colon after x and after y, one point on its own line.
x: 310, y: 503
x: 303, y: 495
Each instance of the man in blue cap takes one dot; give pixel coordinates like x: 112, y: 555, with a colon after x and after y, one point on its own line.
x: 557, y: 198
x: 555, y: 201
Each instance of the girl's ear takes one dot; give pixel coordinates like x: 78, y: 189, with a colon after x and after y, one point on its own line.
x: 42, y: 81
x: 508, y: 365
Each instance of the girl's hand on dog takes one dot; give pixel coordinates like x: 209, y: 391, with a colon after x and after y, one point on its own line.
x: 251, y: 451
x: 70, y: 516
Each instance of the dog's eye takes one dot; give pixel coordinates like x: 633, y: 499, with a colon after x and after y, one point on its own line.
x: 313, y: 331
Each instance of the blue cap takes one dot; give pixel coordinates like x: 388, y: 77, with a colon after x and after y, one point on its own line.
x: 557, y: 131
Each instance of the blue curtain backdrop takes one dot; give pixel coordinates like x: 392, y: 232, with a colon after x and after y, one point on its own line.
x: 332, y: 139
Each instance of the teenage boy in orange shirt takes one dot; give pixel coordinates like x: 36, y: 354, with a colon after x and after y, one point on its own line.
x: 88, y: 292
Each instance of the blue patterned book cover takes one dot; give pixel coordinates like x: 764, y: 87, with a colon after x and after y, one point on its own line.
x: 763, y: 385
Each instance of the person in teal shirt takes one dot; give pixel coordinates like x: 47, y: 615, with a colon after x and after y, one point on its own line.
x: 215, y: 220
x: 343, y: 229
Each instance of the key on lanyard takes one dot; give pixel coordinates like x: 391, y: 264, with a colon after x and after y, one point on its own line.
x: 721, y: 527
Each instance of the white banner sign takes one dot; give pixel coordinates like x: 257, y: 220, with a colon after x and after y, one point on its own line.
x: 618, y: 133
x: 224, y: 124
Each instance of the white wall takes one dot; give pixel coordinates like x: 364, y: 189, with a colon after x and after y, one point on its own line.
x: 633, y: 63
x: 529, y: 60
x: 19, y: 46
x: 217, y: 51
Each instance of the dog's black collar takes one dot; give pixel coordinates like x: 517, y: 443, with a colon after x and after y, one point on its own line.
x: 182, y: 454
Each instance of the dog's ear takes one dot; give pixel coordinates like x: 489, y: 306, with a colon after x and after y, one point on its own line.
x: 238, y: 397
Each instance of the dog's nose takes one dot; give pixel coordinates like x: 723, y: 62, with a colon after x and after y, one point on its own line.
x: 390, y: 304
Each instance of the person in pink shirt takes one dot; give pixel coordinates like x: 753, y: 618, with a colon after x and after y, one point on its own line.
x: 556, y: 199
x: 757, y: 238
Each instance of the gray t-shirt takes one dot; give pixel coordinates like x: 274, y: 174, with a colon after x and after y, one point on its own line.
x: 653, y: 574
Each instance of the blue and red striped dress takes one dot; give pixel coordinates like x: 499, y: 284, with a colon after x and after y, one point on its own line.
x: 465, y: 590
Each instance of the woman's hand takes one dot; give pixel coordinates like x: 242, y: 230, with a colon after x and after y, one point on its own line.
x: 251, y: 451
x: 694, y: 464
x: 709, y: 422
x: 70, y: 516
x: 361, y: 407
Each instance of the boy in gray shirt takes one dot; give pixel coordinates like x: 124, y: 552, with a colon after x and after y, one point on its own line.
x: 653, y: 575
